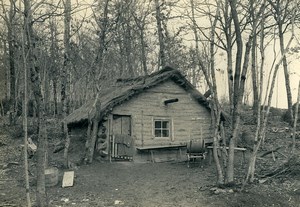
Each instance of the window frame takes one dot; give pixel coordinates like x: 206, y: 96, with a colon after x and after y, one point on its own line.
x: 170, y: 128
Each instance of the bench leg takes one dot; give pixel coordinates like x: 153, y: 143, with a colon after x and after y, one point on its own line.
x: 210, y: 156
x: 152, y: 157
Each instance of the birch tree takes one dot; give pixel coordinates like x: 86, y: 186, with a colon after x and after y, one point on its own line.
x: 210, y: 77
x: 239, y: 78
x: 281, y: 14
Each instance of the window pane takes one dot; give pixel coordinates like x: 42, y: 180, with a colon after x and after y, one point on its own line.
x: 165, y: 124
x: 157, y: 133
x: 157, y: 124
x: 165, y: 133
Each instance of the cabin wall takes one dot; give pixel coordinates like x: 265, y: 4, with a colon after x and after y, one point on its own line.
x: 189, y: 120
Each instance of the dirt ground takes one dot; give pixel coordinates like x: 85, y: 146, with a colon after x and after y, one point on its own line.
x: 146, y: 184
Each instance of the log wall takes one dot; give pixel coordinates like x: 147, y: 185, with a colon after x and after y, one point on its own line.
x: 189, y: 119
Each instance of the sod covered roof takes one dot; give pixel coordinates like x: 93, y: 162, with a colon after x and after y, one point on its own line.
x: 125, y: 89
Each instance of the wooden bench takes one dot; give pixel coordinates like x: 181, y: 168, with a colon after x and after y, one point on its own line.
x: 151, y: 149
x: 210, y: 151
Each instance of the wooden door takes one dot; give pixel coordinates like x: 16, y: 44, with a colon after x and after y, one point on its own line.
x: 122, y: 146
x: 122, y: 125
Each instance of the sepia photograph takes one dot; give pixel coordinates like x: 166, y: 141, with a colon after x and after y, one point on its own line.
x: 149, y: 103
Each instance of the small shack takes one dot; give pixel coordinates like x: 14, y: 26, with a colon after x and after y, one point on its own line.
x: 148, y: 118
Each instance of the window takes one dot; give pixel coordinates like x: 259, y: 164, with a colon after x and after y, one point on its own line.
x: 162, y: 128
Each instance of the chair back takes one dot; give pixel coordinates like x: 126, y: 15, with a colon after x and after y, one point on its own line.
x: 196, y: 146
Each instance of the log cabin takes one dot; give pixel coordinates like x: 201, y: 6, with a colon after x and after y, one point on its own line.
x: 148, y: 118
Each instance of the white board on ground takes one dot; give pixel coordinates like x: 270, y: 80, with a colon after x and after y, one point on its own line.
x: 68, y: 179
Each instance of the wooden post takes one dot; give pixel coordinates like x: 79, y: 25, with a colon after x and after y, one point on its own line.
x: 67, y: 145
x: 96, y: 121
x: 88, y: 140
x: 142, y: 129
x: 109, y: 145
x: 201, y: 135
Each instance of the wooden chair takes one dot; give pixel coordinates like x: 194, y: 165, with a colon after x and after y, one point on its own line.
x: 195, y: 150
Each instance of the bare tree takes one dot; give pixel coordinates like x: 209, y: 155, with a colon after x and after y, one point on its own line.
x: 66, y: 65
x: 281, y: 15
x: 32, y: 42
x: 158, y: 16
x: 210, y: 78
x: 9, y: 19
x: 25, y: 122
x: 295, y: 121
x: 262, y: 124
x: 140, y: 22
x: 239, y: 81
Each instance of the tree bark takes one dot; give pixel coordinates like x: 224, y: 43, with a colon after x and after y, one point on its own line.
x: 295, y: 122
x: 93, y: 131
x: 280, y: 16
x: 25, y: 122
x: 236, y: 94
x: 67, y: 145
x: 253, y: 63
x: 162, y: 55
x: 12, y: 67
x: 103, y: 25
x: 239, y: 85
x: 66, y: 65
x: 228, y: 35
x: 35, y: 75
x: 286, y: 72
x: 211, y: 81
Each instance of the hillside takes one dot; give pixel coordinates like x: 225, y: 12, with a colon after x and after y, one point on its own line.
x: 153, y: 184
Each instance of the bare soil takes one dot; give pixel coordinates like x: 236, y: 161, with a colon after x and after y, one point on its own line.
x: 147, y: 184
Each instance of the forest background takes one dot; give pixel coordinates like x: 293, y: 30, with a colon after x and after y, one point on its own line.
x: 56, y: 55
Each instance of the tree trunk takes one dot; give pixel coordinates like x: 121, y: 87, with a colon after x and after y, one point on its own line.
x: 67, y: 145
x: 236, y: 94
x: 257, y: 137
x: 25, y: 122
x: 254, y: 77
x: 35, y: 76
x: 128, y: 50
x: 230, y: 75
x: 295, y: 122
x: 216, y: 108
x: 41, y: 196
x: 144, y: 57
x: 102, y: 39
x: 55, y: 97
x: 211, y: 81
x: 92, y: 131
x: 229, y: 53
x: 12, y: 68
x: 162, y: 55
x: 261, y: 133
x: 88, y: 140
x: 140, y: 23
x: 66, y: 66
x: 286, y: 72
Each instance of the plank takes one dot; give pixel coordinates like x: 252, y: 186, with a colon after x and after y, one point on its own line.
x: 161, y: 147
x: 236, y: 148
x: 68, y: 179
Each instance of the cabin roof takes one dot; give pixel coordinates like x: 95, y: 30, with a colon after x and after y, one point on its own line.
x: 125, y: 89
